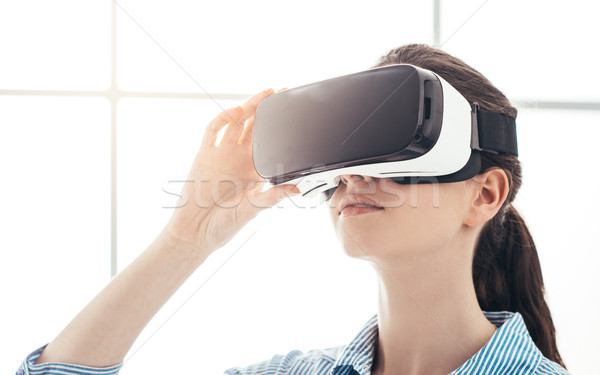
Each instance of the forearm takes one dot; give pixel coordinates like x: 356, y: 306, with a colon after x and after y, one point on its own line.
x: 104, y: 331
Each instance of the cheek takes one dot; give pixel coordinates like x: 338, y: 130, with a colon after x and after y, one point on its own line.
x: 431, y: 218
x: 415, y: 226
x: 417, y: 219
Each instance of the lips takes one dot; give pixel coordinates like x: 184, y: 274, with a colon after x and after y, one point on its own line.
x: 357, y: 200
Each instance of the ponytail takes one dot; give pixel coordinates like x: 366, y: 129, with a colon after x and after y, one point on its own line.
x: 506, y: 269
x: 508, y: 277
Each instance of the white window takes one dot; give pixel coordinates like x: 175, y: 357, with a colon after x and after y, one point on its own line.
x: 102, y: 108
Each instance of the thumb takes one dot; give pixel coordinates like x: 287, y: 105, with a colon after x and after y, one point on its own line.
x: 277, y: 193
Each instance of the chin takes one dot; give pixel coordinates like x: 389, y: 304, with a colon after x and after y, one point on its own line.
x: 358, y: 252
x: 361, y: 242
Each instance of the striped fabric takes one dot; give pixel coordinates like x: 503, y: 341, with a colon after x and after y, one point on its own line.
x: 29, y: 368
x: 510, y: 351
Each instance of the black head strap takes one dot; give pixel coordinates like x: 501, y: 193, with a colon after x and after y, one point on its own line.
x: 493, y: 132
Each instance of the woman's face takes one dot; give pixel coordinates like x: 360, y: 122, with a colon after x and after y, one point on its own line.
x: 414, y: 219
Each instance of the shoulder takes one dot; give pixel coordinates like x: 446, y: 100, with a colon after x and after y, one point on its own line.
x: 547, y: 367
x: 315, y: 361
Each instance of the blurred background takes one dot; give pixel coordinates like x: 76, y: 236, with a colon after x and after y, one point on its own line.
x: 102, y: 108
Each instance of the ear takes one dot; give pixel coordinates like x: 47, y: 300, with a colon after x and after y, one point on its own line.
x: 490, y: 191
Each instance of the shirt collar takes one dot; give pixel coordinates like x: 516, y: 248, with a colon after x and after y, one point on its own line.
x: 359, y: 353
x: 508, y: 350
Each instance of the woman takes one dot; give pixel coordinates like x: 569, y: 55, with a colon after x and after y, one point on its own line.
x: 469, y: 299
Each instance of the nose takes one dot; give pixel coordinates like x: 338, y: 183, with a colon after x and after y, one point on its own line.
x: 355, y: 179
x: 358, y: 184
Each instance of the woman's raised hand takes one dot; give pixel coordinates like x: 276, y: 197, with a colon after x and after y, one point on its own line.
x: 223, y: 190
x: 221, y: 194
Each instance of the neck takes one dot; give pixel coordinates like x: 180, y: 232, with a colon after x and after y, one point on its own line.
x: 429, y: 319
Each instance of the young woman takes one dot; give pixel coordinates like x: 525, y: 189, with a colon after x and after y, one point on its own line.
x: 467, y: 300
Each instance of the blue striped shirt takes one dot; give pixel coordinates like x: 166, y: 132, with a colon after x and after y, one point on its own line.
x: 509, y: 351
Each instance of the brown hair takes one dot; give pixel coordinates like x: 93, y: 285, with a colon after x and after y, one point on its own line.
x: 506, y: 269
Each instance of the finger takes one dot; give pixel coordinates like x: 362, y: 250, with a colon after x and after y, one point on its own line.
x: 213, y: 127
x: 251, y: 104
x: 273, y: 195
x: 246, y: 137
x: 235, y: 131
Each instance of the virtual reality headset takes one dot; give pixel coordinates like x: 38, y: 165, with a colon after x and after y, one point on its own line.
x: 400, y: 122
